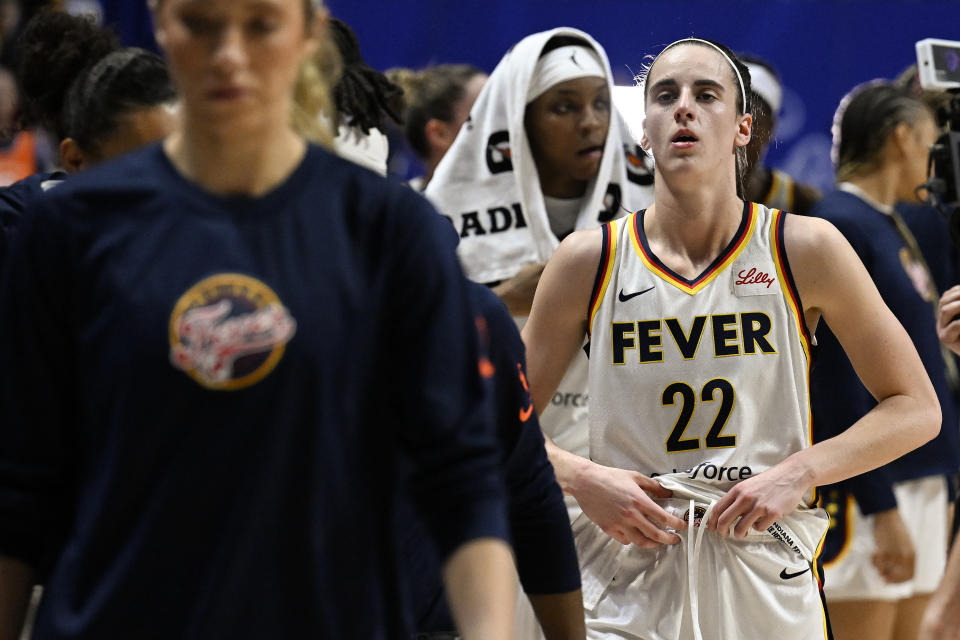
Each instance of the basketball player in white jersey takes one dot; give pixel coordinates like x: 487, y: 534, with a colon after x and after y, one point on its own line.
x: 699, y: 492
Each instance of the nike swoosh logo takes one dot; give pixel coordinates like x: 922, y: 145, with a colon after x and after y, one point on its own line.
x: 486, y: 368
x: 624, y: 298
x: 526, y: 413
x: 787, y: 576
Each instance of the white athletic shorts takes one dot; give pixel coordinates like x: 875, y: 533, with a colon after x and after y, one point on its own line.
x: 851, y: 575
x: 706, y: 587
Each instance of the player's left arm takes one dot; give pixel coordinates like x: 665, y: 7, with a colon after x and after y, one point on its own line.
x: 470, y: 574
x: 834, y: 286
x: 441, y: 416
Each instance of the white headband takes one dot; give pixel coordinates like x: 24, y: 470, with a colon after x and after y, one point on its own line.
x: 562, y: 64
x: 766, y: 85
x: 736, y: 71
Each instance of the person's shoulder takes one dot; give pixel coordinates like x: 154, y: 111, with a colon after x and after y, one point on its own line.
x: 351, y: 176
x: 36, y: 183
x: 814, y: 247
x: 809, y: 234
x: 583, y: 248
x: 367, y: 193
x: 15, y: 198
x: 839, y: 206
x: 116, y: 181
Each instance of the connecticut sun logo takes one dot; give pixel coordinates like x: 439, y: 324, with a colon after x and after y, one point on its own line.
x: 229, y: 331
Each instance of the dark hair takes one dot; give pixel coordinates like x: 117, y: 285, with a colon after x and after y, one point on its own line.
x: 744, y: 98
x: 743, y: 102
x: 55, y: 47
x: 78, y: 83
x: 429, y: 94
x: 121, y: 82
x: 936, y: 99
x: 564, y: 41
x: 757, y: 102
x: 363, y: 95
x: 865, y: 119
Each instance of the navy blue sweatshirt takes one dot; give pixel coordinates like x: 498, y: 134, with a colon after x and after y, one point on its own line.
x: 539, y: 527
x: 203, y: 401
x: 15, y: 198
x: 838, y: 397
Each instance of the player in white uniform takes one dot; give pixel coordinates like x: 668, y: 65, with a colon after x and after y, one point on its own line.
x: 700, y: 312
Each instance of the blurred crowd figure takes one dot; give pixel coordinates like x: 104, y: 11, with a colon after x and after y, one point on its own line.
x: 437, y: 102
x: 772, y: 187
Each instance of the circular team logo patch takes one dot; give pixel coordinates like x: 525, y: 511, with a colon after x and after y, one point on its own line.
x: 698, y: 513
x: 229, y: 331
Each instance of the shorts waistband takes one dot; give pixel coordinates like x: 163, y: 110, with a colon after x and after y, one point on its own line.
x: 680, y: 508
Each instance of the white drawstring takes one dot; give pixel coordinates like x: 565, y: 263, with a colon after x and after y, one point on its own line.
x: 693, y: 563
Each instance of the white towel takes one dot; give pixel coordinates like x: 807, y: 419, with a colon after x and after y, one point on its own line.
x: 487, y: 182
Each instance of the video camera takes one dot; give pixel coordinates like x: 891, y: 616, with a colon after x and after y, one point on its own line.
x: 938, y: 64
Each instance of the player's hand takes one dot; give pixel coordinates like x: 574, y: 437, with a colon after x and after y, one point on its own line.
x: 895, y: 554
x: 948, y: 329
x: 619, y: 502
x: 517, y: 292
x: 759, y: 501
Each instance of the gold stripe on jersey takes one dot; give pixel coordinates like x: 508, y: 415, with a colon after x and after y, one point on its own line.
x: 816, y: 558
x: 793, y: 301
x: 704, y: 279
x: 791, y: 294
x: 777, y: 222
x: 606, y: 268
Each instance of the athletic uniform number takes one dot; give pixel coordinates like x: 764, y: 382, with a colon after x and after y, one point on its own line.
x: 676, y: 442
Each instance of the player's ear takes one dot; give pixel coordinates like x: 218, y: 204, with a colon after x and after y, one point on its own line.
x: 159, y: 31
x: 439, y: 134
x: 72, y: 157
x: 744, y: 130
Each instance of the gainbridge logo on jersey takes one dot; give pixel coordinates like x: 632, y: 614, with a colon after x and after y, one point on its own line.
x: 710, y: 471
x: 570, y: 399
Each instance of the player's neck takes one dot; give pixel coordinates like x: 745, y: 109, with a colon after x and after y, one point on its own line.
x: 688, y: 230
x: 880, y: 186
x: 241, y: 165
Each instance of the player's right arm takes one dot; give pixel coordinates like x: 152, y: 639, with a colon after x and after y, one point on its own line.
x: 616, y: 500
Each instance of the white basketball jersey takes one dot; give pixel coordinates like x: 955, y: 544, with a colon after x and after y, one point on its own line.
x: 707, y: 376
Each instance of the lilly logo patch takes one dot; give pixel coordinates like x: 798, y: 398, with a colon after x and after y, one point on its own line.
x: 752, y: 281
x: 229, y: 331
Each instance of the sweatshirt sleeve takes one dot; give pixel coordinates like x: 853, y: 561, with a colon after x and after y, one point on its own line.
x: 445, y: 424
x: 35, y: 370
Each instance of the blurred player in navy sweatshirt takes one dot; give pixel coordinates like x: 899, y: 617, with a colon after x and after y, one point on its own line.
x: 213, y: 355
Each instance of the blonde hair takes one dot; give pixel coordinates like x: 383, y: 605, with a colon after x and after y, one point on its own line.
x: 313, y: 114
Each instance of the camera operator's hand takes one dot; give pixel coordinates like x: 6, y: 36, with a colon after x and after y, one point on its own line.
x: 948, y: 319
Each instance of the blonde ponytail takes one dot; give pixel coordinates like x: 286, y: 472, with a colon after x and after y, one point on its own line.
x: 314, y: 114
